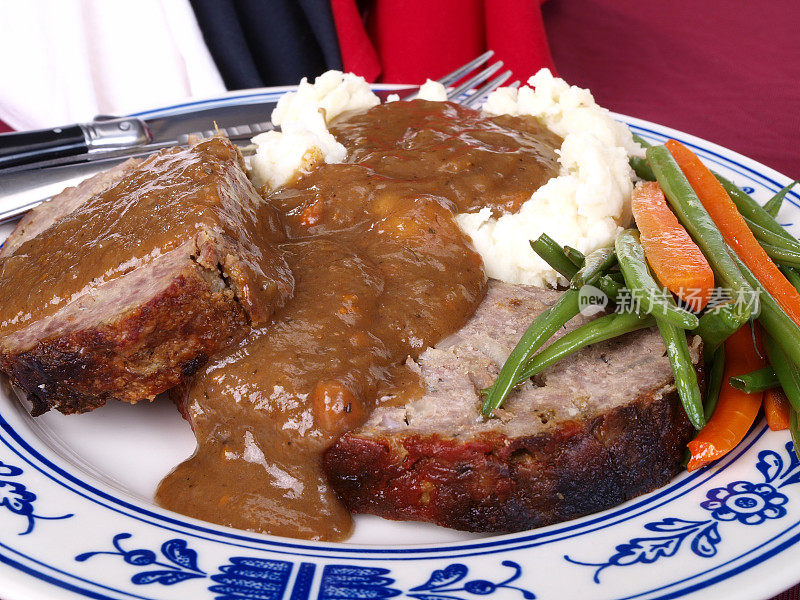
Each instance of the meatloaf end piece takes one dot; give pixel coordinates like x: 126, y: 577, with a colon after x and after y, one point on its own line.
x: 594, y: 430
x: 125, y: 285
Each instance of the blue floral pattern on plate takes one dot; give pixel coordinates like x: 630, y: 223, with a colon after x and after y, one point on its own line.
x: 743, y: 501
x: 253, y: 578
x: 182, y: 563
x: 440, y: 585
x: 16, y: 498
x: 749, y: 503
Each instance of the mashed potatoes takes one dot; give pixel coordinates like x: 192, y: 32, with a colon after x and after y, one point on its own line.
x: 430, y: 90
x: 585, y: 206
x: 303, y: 116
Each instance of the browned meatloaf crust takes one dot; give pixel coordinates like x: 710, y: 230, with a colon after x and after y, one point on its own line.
x: 142, y: 332
x: 594, y: 430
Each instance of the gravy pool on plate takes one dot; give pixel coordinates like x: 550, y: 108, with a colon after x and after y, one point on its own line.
x: 381, y: 271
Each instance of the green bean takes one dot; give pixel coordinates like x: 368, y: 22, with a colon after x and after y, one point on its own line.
x: 782, y: 256
x: 539, y: 331
x: 792, y: 276
x: 640, y: 140
x: 777, y: 323
x: 785, y: 370
x: 637, y: 276
x: 617, y: 275
x: 642, y: 168
x: 543, y: 327
x: 683, y: 371
x: 752, y: 210
x: 714, y: 385
x: 610, y: 287
x: 718, y: 324
x: 761, y: 221
x: 640, y: 165
x: 693, y: 215
x: 687, y: 458
x: 794, y: 430
x: 553, y: 254
x: 756, y: 381
x: 596, y: 330
x: 645, y: 291
x: 773, y: 205
x: 597, y: 263
x: 765, y: 235
x: 575, y: 256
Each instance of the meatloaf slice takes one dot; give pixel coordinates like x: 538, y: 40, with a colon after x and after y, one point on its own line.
x: 37, y: 220
x: 596, y: 429
x: 123, y: 286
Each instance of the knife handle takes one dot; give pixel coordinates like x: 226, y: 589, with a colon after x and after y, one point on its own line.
x: 19, y: 148
x: 109, y: 133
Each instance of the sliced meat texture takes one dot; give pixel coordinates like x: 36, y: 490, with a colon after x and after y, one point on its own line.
x: 594, y: 430
x: 125, y: 285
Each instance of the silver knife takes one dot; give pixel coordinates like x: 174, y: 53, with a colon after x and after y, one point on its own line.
x: 24, y: 185
x: 107, y: 136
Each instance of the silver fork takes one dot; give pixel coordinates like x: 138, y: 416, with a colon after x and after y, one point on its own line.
x: 480, y: 94
x: 453, y: 93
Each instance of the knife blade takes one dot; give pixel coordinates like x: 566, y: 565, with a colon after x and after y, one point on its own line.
x: 240, y: 121
x: 23, y: 190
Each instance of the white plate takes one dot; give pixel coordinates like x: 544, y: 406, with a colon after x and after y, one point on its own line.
x: 77, y: 519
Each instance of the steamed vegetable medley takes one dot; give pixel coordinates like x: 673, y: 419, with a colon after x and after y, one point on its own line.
x: 705, y: 259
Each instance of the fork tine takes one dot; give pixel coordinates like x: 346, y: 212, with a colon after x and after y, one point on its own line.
x: 480, y: 77
x: 461, y: 71
x: 481, y: 93
x: 458, y: 73
x: 515, y: 84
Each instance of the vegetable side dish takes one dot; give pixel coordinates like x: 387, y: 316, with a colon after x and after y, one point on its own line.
x: 741, y: 249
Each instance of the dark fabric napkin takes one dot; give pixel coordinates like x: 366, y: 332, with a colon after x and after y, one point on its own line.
x: 256, y: 43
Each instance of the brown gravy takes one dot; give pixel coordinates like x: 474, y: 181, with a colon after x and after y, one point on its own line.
x: 449, y: 150
x: 381, y: 271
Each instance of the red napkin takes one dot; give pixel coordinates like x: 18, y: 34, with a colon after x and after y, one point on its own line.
x: 407, y: 41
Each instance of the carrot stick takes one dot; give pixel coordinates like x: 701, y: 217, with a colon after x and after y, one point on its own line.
x: 734, y: 229
x: 736, y: 411
x: 677, y: 262
x: 776, y: 409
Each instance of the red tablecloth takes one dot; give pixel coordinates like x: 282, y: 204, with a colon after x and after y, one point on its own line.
x: 725, y: 70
